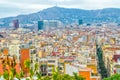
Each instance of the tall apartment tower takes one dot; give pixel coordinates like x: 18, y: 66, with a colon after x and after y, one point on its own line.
x: 24, y: 55
x: 40, y: 25
x: 16, y: 24
x: 80, y: 22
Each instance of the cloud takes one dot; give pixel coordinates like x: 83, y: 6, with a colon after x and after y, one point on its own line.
x: 29, y: 6
x: 85, y: 4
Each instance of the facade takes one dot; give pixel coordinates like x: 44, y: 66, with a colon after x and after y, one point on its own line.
x: 81, y: 70
x: 69, y: 50
x: 80, y: 22
x: 24, y: 55
x: 48, y: 24
x: 16, y: 24
x: 40, y: 25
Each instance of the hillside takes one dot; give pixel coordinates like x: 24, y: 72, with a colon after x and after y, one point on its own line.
x: 69, y: 15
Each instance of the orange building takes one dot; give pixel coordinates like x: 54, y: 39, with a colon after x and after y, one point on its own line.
x: 5, y: 51
x: 24, y: 55
x: 1, y: 69
x: 86, y: 73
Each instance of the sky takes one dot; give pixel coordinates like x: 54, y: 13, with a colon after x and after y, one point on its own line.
x: 10, y: 8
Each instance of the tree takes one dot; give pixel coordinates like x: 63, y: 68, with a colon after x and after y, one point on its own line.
x: 27, y: 64
x: 46, y: 78
x: 67, y: 77
x: 78, y: 77
x: 34, y: 73
x: 39, y: 76
x: 113, y: 77
x: 57, y: 76
x: 20, y: 75
x: 6, y: 75
x: 9, y: 74
x: 103, y: 70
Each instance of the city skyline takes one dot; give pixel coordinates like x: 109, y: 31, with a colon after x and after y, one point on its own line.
x: 10, y: 8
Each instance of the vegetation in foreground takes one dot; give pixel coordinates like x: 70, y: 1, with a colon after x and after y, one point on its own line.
x: 114, y: 77
x: 35, y: 75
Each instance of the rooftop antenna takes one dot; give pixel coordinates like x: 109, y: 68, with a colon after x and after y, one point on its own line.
x: 56, y: 5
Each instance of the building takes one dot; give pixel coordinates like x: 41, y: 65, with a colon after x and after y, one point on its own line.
x: 43, y: 66
x: 48, y: 24
x: 40, y: 25
x: 16, y: 24
x: 52, y: 65
x: 14, y: 50
x: 24, y: 55
x: 80, y: 22
x: 81, y: 70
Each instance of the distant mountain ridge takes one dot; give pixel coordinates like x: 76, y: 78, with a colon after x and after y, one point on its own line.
x: 69, y: 15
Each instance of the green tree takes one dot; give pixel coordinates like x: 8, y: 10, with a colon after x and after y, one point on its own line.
x: 55, y: 74
x: 12, y: 73
x: 33, y: 71
x: 113, y: 77
x: 46, y: 78
x: 27, y: 64
x: 6, y: 75
x: 67, y: 77
x: 78, y: 77
x: 39, y: 76
x: 20, y: 75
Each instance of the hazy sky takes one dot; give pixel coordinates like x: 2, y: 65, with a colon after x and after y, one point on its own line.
x: 15, y: 7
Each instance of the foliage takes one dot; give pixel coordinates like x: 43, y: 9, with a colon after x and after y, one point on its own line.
x: 102, y: 68
x: 46, y: 78
x: 6, y: 75
x: 113, y: 77
x: 27, y: 63
x: 39, y: 76
x: 57, y: 76
x: 34, y: 73
x: 78, y: 77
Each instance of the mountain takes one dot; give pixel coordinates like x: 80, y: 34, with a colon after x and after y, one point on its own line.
x: 69, y: 15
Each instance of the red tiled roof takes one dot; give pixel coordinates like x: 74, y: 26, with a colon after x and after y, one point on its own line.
x: 55, y: 53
